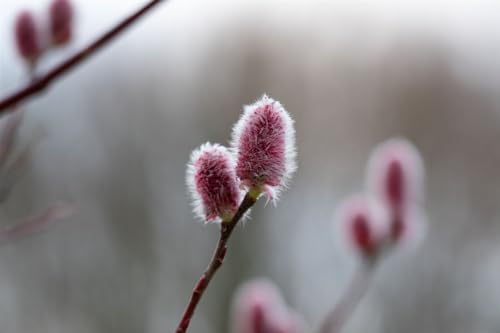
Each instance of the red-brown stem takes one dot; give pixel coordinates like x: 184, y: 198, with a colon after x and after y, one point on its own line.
x: 348, y: 302
x: 215, y: 263
x: 40, y: 83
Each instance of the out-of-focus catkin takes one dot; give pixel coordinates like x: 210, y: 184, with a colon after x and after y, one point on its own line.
x: 61, y: 22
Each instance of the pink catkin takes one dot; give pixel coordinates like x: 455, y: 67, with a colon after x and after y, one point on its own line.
x: 395, y: 175
x: 259, y: 308
x: 213, y: 183
x: 362, y: 234
x: 27, y: 36
x: 264, y: 142
x: 395, y: 184
x: 364, y: 222
x: 257, y: 320
x: 61, y: 22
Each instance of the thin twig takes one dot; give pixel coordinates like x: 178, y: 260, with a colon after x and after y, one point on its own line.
x: 348, y: 302
x: 215, y: 263
x: 36, y: 223
x: 40, y: 83
x: 8, y: 134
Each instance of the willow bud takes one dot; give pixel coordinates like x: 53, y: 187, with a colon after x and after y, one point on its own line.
x: 364, y: 222
x: 61, y: 22
x: 259, y: 308
x: 27, y: 37
x: 213, y: 184
x: 395, y: 176
x: 264, y: 143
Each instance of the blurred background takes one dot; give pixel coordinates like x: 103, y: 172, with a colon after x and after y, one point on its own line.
x: 120, y: 128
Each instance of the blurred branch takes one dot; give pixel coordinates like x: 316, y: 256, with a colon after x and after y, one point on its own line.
x: 7, y: 135
x: 9, y: 174
x: 215, y: 263
x: 11, y: 168
x: 349, y: 300
x: 40, y: 83
x: 37, y: 223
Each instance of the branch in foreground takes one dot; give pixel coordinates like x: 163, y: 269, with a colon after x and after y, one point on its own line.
x: 261, y: 160
x: 348, y: 302
x: 215, y: 263
x: 39, y: 84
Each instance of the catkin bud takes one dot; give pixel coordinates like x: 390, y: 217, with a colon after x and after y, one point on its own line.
x: 212, y: 182
x: 364, y: 222
x: 264, y: 143
x: 259, y: 308
x: 395, y: 176
x: 27, y: 37
x: 61, y: 22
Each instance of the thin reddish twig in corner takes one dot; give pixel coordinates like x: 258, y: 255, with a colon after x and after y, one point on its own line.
x: 215, y: 263
x: 40, y: 83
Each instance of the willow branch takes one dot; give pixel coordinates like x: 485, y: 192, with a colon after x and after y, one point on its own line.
x: 215, y: 263
x: 36, y: 223
x: 348, y: 302
x: 40, y: 83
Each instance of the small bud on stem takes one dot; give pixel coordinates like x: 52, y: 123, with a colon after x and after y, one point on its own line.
x: 395, y: 177
x: 364, y: 222
x: 259, y: 308
x: 376, y: 221
x: 61, y: 22
x: 27, y: 37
